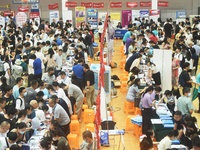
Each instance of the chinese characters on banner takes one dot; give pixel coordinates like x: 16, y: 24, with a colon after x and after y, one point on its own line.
x: 23, y: 9
x: 115, y: 4
x: 53, y: 6
x: 131, y: 4
x: 154, y: 15
x: 86, y: 4
x: 145, y: 4
x: 98, y: 5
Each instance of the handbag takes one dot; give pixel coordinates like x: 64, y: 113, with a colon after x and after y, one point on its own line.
x: 194, y: 93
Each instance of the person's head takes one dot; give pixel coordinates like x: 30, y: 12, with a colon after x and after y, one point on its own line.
x: 80, y: 61
x: 54, y: 125
x: 21, y: 127
x: 34, y: 84
x: 196, y: 143
x: 158, y: 90
x: 149, y: 90
x: 22, y: 91
x: 12, y: 137
x: 15, y: 146
x: 86, y: 67
x: 189, y: 118
x: 60, y: 52
x: 51, y: 71
x: 52, y: 102
x: 168, y: 93
x: 45, y: 108
x: 172, y: 134
x: 145, y: 144
x: 34, y: 103
x: 11, y: 112
x: 22, y: 114
x: 186, y: 91
x: 55, y: 85
x: 45, y: 143
x: 4, y: 127
x: 56, y: 134
x: 8, y: 90
x: 29, y: 109
x: 177, y: 116
x: 137, y: 82
x: 186, y: 66
x: 62, y: 75
x: 2, y: 103
x: 87, y: 136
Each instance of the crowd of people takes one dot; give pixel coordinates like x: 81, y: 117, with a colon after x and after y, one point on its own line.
x: 35, y: 87
x: 183, y: 39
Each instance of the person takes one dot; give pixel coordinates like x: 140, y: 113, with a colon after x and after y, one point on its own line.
x: 119, y: 25
x: 89, y: 82
x: 166, y: 142
x: 63, y: 78
x: 7, y: 142
x: 49, y: 76
x: 100, y: 29
x: 75, y: 91
x: 20, y: 131
x: 60, y: 115
x: 10, y: 101
x: 62, y: 142
x: 88, y: 143
x: 147, y: 141
x: 168, y: 29
x: 185, y: 103
x: 49, y: 59
x: 17, y: 70
x: 147, y: 104
x: 4, y: 128
x: 2, y: 106
x: 89, y: 42
x: 31, y: 93
x: 37, y: 66
x: 126, y: 35
x: 19, y: 81
x: 136, y: 62
x: 58, y: 61
x: 38, y: 112
x: 20, y: 102
x: 46, y: 144
x: 198, y: 83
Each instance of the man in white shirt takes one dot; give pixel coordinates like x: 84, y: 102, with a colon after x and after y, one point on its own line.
x: 20, y: 102
x: 63, y: 78
x: 17, y: 86
x: 28, y: 40
x: 43, y: 36
x: 58, y: 61
x: 8, y: 141
x: 40, y: 55
x: 38, y: 113
x: 4, y: 128
x: 166, y: 142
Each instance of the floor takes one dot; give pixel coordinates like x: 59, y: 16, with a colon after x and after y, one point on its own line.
x: 131, y: 142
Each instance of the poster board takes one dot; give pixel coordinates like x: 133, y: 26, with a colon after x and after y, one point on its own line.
x: 20, y: 18
x: 79, y: 15
x: 115, y: 17
x: 180, y: 15
x: 102, y: 15
x: 53, y: 14
x: 135, y: 14
x: 144, y: 13
x: 68, y: 16
x: 126, y: 17
x: 154, y: 15
x: 92, y: 17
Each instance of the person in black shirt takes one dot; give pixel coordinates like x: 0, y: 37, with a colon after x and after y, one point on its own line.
x: 89, y: 81
x: 168, y: 29
x: 88, y: 40
x: 10, y: 100
x: 11, y: 38
x: 130, y: 25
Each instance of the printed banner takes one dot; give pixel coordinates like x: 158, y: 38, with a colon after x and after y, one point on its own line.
x: 163, y: 3
x: 54, y: 6
x: 154, y: 15
x: 36, y: 16
x: 86, y: 4
x: 98, y: 5
x: 180, y: 15
x: 70, y: 4
x: 23, y: 9
x: 80, y: 15
x: 145, y: 4
x: 115, y: 4
x: 54, y: 14
x: 135, y: 14
x: 6, y: 13
x: 21, y: 18
x: 126, y: 17
x: 92, y: 17
x: 131, y: 4
x: 144, y: 13
x: 34, y: 6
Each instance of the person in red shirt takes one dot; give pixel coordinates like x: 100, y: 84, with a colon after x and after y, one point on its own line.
x: 153, y: 38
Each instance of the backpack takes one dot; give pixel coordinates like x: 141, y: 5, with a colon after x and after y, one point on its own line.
x: 17, y: 70
x: 2, y: 66
x: 20, y: 101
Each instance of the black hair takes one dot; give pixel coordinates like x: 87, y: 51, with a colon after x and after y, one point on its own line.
x: 86, y: 66
x: 62, y: 73
x: 145, y: 145
x: 178, y: 113
x: 136, y: 81
x: 12, y: 136
x: 34, y: 82
x: 40, y: 94
x: 15, y: 147
x: 7, y: 88
x: 22, y: 113
x: 45, y: 143
x: 186, y: 64
x: 158, y: 89
x: 45, y: 107
x: 80, y: 61
x: 28, y: 107
x: 11, y: 111
x: 51, y: 52
x: 21, y: 125
x: 55, y: 83
x: 150, y: 88
x: 21, y: 89
x: 56, y: 132
x: 2, y: 100
x: 186, y: 90
x: 188, y: 118
x: 172, y: 133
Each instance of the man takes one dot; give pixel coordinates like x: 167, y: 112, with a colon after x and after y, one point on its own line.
x: 10, y: 100
x: 64, y: 78
x: 126, y: 36
x: 49, y: 76
x: 60, y: 115
x: 168, y: 29
x: 17, y: 86
x: 28, y: 40
x: 31, y: 93
x: 2, y: 105
x: 4, y: 128
x: 40, y: 55
x: 89, y: 82
x: 20, y: 102
x: 89, y: 42
x: 76, y: 92
x: 38, y: 113
x: 78, y: 74
x: 184, y: 103
x: 89, y: 143
x: 37, y: 66
x: 58, y: 61
x: 7, y: 142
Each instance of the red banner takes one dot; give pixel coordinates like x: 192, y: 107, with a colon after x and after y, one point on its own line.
x: 98, y: 5
x: 23, y: 9
x: 131, y: 4
x: 70, y: 4
x: 163, y: 3
x: 86, y: 4
x: 34, y: 15
x: 145, y: 4
x: 53, y: 6
x: 7, y: 13
x: 115, y: 4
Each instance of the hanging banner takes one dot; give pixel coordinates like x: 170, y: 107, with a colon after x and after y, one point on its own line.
x: 86, y: 4
x: 131, y: 4
x: 115, y: 4
x: 53, y: 6
x: 70, y: 4
x: 2, y: 21
x: 126, y: 17
x: 144, y: 13
x: 163, y: 4
x: 145, y: 4
x: 92, y: 17
x: 36, y: 16
x: 98, y: 5
x: 80, y: 15
x: 154, y: 15
x: 20, y: 18
x: 23, y: 9
x: 6, y: 13
x: 54, y: 14
x: 180, y: 15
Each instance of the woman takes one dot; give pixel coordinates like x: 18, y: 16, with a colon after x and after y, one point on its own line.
x: 188, y: 58
x: 119, y: 25
x: 20, y: 130
x: 100, y: 29
x: 160, y: 36
x: 147, y: 141
x: 132, y: 48
x: 136, y: 62
x: 50, y: 59
x: 147, y: 104
x: 153, y: 73
x: 45, y: 144
x: 175, y: 67
x: 166, y: 44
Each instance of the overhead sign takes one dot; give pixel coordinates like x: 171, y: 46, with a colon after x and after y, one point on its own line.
x: 70, y: 4
x: 53, y: 6
x: 163, y: 3
x: 86, y: 4
x: 98, y: 5
x: 23, y: 9
x: 115, y: 4
x: 145, y: 4
x: 131, y: 4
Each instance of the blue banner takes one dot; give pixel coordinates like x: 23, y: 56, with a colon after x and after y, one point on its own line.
x: 92, y: 17
x: 180, y: 14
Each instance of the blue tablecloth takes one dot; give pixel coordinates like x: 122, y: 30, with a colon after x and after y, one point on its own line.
x: 119, y: 33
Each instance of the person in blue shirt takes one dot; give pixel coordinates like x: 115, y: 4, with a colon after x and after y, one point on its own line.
x: 37, y: 66
x: 126, y: 36
x: 58, y: 40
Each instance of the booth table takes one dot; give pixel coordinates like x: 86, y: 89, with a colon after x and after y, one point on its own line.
x: 119, y: 33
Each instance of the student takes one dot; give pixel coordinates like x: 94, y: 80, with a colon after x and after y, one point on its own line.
x: 20, y: 131
x: 166, y: 142
x: 88, y: 143
x: 6, y: 142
